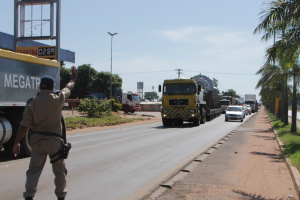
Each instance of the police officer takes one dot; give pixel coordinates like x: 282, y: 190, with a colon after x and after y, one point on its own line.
x: 43, y: 115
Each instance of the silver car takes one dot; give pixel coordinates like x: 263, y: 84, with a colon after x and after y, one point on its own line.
x: 235, y: 113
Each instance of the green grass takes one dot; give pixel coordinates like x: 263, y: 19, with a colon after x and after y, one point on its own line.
x: 107, y: 120
x: 291, y: 140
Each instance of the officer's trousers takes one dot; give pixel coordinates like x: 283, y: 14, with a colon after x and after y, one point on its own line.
x: 42, y: 146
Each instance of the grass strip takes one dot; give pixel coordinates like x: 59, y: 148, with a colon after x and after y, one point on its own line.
x: 107, y: 120
x: 290, y: 140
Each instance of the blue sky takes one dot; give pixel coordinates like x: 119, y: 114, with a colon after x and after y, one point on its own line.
x: 214, y: 38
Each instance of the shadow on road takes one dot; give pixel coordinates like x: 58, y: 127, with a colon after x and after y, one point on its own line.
x: 250, y: 196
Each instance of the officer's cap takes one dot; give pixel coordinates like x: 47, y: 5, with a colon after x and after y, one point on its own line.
x: 47, y: 82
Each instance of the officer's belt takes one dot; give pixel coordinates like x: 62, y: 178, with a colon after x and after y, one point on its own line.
x: 48, y: 134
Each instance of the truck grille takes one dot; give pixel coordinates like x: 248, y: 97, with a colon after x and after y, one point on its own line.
x: 178, y: 102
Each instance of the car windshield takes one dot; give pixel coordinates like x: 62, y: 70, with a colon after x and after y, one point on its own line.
x: 234, y: 109
x: 176, y: 88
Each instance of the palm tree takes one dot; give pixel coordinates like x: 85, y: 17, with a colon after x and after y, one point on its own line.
x: 296, y: 72
x: 282, y: 18
x: 270, y: 84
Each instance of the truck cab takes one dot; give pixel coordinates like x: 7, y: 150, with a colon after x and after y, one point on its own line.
x: 224, y: 104
x: 130, y: 102
x: 181, y: 101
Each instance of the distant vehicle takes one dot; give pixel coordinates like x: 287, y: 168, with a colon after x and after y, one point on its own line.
x: 249, y: 109
x: 130, y: 102
x: 231, y: 99
x: 245, y: 111
x: 182, y: 101
x: 224, y: 104
x: 234, y: 113
x: 250, y: 99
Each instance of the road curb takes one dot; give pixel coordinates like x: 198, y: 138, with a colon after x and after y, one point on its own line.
x: 295, y: 175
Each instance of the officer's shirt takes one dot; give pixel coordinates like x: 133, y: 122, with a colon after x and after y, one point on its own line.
x: 43, y: 113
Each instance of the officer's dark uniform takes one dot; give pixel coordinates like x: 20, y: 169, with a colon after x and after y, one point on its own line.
x: 43, y: 115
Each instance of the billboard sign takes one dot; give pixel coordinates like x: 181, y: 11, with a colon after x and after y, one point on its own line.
x: 48, y: 52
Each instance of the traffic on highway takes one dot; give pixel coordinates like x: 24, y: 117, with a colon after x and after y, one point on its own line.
x: 122, y: 162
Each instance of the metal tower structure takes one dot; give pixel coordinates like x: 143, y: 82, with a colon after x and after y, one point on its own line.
x: 22, y: 20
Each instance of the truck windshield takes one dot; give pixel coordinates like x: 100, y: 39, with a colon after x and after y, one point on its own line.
x: 179, y: 88
x: 249, y: 102
x: 224, y: 102
x: 136, y: 97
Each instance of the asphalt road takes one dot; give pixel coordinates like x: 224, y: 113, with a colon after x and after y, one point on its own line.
x: 125, y: 162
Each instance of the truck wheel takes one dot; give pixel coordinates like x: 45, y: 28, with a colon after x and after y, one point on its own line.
x: 132, y: 111
x: 126, y: 109
x: 196, y: 121
x: 202, y: 121
x: 208, y: 117
x: 167, y: 122
x: 203, y: 116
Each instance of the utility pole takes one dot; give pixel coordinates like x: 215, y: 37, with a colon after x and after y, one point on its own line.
x: 179, y: 72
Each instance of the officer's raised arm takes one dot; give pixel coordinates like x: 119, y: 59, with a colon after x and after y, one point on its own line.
x: 74, y: 75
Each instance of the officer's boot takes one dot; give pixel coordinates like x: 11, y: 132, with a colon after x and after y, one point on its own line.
x: 28, y: 198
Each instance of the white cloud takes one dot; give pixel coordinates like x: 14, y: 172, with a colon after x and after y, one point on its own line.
x: 184, y: 34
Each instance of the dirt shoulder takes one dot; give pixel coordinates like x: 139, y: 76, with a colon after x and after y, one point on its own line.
x: 247, y: 166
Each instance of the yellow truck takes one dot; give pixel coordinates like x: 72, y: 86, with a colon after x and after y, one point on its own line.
x: 182, y: 100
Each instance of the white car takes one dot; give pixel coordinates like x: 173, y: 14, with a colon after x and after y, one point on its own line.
x: 234, y: 113
x: 249, y: 109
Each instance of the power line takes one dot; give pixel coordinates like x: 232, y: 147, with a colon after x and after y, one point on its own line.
x: 229, y: 73
x: 180, y: 72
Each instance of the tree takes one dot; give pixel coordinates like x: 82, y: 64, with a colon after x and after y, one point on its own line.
x: 151, y: 96
x: 64, y: 77
x: 270, y: 84
x: 101, y: 84
x: 282, y: 18
x: 232, y: 93
x: 89, y: 81
x: 82, y: 88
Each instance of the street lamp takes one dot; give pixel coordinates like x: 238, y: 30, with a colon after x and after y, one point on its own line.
x: 110, y: 84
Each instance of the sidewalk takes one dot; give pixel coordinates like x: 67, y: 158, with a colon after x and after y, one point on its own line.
x: 247, y: 165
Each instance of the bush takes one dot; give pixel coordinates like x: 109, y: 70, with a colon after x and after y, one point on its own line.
x: 94, y: 107
x: 116, y: 106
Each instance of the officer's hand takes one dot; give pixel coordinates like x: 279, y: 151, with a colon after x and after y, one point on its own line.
x: 74, y: 73
x: 16, y: 149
